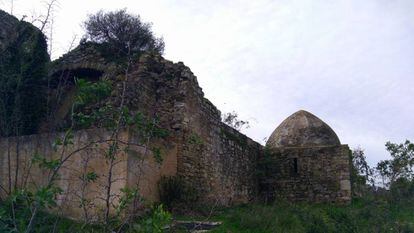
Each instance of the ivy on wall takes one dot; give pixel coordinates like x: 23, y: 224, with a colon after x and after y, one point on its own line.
x: 23, y: 80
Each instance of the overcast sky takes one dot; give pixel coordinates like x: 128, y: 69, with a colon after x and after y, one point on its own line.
x: 350, y: 62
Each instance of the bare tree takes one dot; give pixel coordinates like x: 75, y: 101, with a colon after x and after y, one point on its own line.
x: 11, y: 6
x: 46, y: 21
x: 232, y: 119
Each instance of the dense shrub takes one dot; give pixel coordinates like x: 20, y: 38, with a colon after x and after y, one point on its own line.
x: 154, y: 222
x: 123, y: 33
x: 402, y: 190
x: 23, y: 81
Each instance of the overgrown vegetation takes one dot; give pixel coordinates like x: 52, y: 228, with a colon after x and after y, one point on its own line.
x: 23, y: 79
x: 152, y: 222
x: 363, y: 215
x: 25, y: 207
x: 122, y: 35
x: 394, y: 177
x: 384, y: 207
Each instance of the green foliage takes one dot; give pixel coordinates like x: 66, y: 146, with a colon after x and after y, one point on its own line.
x: 46, y: 196
x: 50, y: 164
x: 46, y: 223
x: 65, y: 140
x: 361, y: 168
x: 89, y: 177
x: 107, y: 116
x: 23, y: 88
x: 121, y: 35
x: 15, y: 211
x: 363, y: 215
x: 6, y: 222
x: 195, y: 139
x: 156, y: 151
x: 146, y: 127
x: 23, y: 81
x: 155, y: 223
x: 91, y: 92
x: 401, y: 163
x: 362, y: 175
x: 112, y: 150
x: 17, y: 221
x: 402, y: 190
x: 128, y: 195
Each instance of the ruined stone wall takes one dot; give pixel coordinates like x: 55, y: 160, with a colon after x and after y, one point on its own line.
x: 84, y: 155
x: 81, y: 199
x: 218, y: 161
x: 144, y: 171
x: 314, y: 174
x: 214, y: 159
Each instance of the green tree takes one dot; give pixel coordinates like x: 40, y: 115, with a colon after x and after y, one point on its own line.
x: 122, y: 33
x: 397, y: 172
x: 361, y: 173
x: 401, y: 163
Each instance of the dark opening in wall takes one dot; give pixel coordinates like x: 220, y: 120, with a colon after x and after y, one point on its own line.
x: 295, y: 165
x: 66, y: 77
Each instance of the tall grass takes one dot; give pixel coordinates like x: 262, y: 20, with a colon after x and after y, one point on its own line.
x: 360, y: 216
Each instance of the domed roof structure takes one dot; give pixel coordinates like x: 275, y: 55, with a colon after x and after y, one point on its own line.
x: 302, y: 129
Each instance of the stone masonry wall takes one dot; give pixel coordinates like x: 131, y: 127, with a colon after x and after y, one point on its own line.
x: 216, y: 160
x: 133, y: 167
x: 314, y: 174
x: 86, y: 154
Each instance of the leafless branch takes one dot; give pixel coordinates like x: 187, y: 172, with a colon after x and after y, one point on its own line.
x: 48, y: 15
